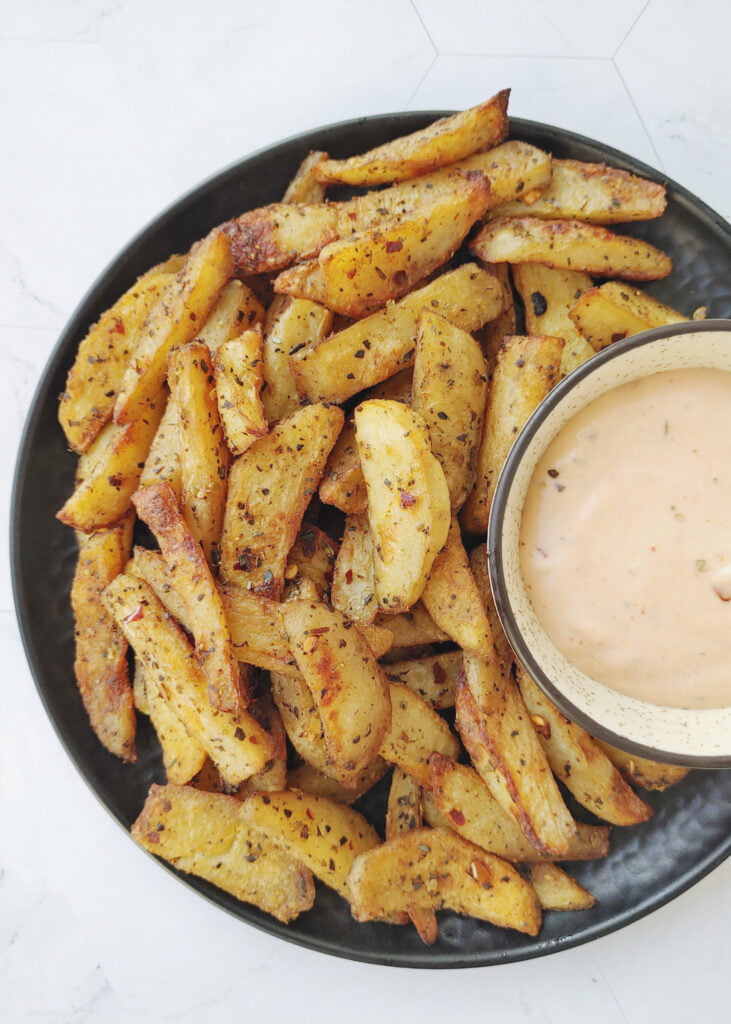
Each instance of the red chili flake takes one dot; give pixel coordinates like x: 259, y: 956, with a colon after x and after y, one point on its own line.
x: 135, y: 615
x: 396, y: 246
x: 118, y: 327
x: 457, y: 817
x: 349, y: 576
x: 407, y: 500
x: 309, y: 814
x: 351, y: 273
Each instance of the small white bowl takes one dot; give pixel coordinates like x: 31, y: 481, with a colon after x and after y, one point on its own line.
x: 699, y: 738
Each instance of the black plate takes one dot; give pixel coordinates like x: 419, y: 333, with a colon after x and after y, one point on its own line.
x: 690, y: 832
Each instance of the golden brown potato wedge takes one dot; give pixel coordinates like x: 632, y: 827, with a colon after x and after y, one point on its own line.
x: 323, y: 835
x: 227, y: 689
x: 270, y: 486
x: 273, y: 775
x: 437, y: 869
x: 402, y: 815
x: 111, y: 472
x: 291, y: 324
x: 236, y: 743
x: 594, y: 193
x: 639, y: 771
x: 382, y: 344
x: 238, y: 374
x: 548, y: 297
x: 615, y: 310
x: 468, y: 806
x: 413, y: 628
x: 416, y: 731
x: 152, y: 567
x: 353, y: 583
x: 450, y: 391
x: 313, y: 555
x: 480, y: 574
x: 497, y: 731
x: 100, y: 660
x: 526, y: 370
x: 301, y: 720
x: 205, y: 834
x: 443, y: 142
x: 271, y: 237
x: 433, y: 678
x: 173, y: 321
x: 163, y: 459
x: 557, y: 890
x: 505, y: 323
x: 348, y: 685
x: 304, y: 186
x: 343, y: 484
x: 236, y: 309
x: 570, y: 245
x: 204, y: 457
x: 256, y: 629
x: 87, y: 401
x: 182, y: 755
x: 579, y: 763
x: 408, y: 500
x: 311, y: 780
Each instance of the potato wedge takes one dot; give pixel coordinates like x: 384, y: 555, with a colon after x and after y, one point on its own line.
x: 412, y: 628
x: 353, y: 583
x: 313, y: 555
x: 505, y: 323
x: 639, y: 771
x: 348, y: 685
x: 548, y: 297
x: 415, y: 733
x: 100, y: 656
x: 402, y: 815
x: 291, y: 324
x: 238, y: 375
x: 557, y: 890
x: 311, y: 780
x: 446, y: 140
x: 437, y: 869
x: 615, y: 310
x: 112, y: 469
x: 87, y: 401
x: 301, y: 720
x: 579, y: 763
x: 204, y: 834
x: 270, y: 486
x: 453, y: 600
x: 304, y: 186
x: 323, y: 835
x: 382, y: 344
x: 570, y: 245
x: 204, y: 457
x: 594, y: 193
x: 432, y: 678
x: 408, y: 500
x: 163, y: 459
x: 182, y: 755
x: 236, y: 309
x: 273, y: 775
x: 173, y: 321
x: 497, y: 731
x: 450, y: 391
x: 526, y: 370
x: 227, y: 687
x: 235, y: 743
x: 468, y: 806
x: 480, y: 574
x: 271, y: 237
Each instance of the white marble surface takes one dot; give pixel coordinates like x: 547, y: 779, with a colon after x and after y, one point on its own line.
x: 108, y: 110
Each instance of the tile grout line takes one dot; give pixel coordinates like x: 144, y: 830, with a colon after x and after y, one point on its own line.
x: 432, y: 62
x: 629, y: 31
x: 660, y: 164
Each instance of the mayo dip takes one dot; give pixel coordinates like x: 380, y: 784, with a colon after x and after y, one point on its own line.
x: 625, y: 544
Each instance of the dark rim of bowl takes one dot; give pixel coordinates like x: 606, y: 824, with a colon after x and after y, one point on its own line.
x: 495, y: 554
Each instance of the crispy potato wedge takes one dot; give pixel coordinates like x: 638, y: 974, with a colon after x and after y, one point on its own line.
x: 204, y: 457
x: 182, y: 755
x: 313, y: 555
x: 271, y: 237
x: 382, y: 344
x: 497, y: 731
x: 639, y: 771
x: 100, y: 657
x: 416, y: 731
x: 236, y: 743
x: 505, y: 323
x: 615, y: 310
x: 443, y: 142
x: 593, y: 193
x: 305, y: 186
x: 291, y: 324
x: 402, y: 815
x: 570, y: 245
x: 173, y: 321
x: 301, y: 720
x: 480, y: 574
x: 579, y: 763
x: 437, y: 869
x: 413, y: 628
x: 87, y: 401
x: 270, y: 486
x: 348, y: 685
x: 450, y: 391
x: 311, y: 780
x: 353, y: 583
x: 468, y: 806
x: 273, y: 775
x: 152, y: 567
x: 357, y: 275
x: 453, y: 600
x: 432, y: 678
x: 162, y: 464
x: 526, y: 370
x: 227, y: 689
x: 205, y: 834
x: 139, y: 687
x: 408, y: 500
x: 557, y: 890
x: 112, y: 469
x: 548, y: 297
x: 236, y: 309
x: 238, y: 375
x: 323, y: 835
x: 256, y: 629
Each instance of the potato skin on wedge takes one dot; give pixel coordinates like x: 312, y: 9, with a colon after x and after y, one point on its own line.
x: 433, y: 868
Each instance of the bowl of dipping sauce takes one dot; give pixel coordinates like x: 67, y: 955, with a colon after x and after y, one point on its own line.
x: 610, y: 544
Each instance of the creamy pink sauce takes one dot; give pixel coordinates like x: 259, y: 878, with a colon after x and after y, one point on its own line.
x: 626, y: 539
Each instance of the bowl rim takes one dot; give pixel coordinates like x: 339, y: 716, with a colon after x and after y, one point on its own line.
x: 496, y: 565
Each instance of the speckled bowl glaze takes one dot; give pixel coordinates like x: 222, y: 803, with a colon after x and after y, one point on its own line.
x: 673, y: 735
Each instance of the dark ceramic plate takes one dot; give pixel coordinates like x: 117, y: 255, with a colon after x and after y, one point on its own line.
x: 690, y: 832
